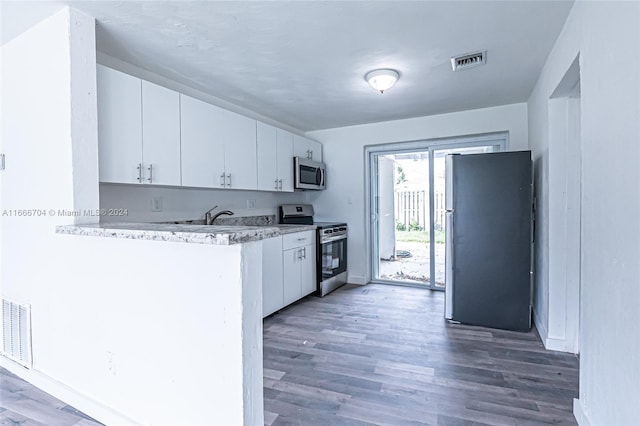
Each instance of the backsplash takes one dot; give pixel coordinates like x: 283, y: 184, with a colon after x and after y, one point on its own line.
x: 136, y: 202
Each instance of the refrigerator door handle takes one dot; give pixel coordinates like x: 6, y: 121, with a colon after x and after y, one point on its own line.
x: 448, y: 267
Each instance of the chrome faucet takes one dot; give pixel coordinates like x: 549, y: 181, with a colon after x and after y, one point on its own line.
x: 209, y: 218
x: 217, y: 215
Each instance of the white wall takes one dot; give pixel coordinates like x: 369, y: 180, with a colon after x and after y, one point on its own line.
x: 37, y: 124
x: 92, y: 299
x: 606, y: 36
x: 343, y: 151
x: 188, y: 203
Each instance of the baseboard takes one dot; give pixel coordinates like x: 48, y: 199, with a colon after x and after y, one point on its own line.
x: 560, y: 345
x: 579, y: 414
x: 64, y: 393
x: 542, y: 329
x: 354, y: 279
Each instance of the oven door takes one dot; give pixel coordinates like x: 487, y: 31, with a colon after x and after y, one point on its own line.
x: 333, y: 256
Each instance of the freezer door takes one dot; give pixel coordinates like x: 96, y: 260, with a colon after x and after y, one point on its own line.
x: 448, y: 267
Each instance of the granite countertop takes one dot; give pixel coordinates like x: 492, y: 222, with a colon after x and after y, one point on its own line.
x: 183, y: 232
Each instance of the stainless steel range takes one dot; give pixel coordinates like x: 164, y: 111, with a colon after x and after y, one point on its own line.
x: 331, y: 245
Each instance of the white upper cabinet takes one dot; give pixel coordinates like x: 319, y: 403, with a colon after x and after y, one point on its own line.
x: 138, y: 130
x: 285, y: 160
x: 267, y: 146
x: 153, y: 135
x: 239, y: 135
x: 307, y: 148
x: 275, y: 158
x: 202, y: 144
x: 160, y: 134
x: 218, y: 147
x: 119, y: 126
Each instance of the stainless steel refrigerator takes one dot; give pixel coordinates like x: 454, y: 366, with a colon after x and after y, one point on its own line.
x: 489, y: 231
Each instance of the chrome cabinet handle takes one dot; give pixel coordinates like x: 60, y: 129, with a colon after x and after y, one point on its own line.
x: 139, y: 178
x: 229, y: 180
x: 304, y: 252
x: 222, y: 180
x: 280, y: 184
x: 276, y: 182
x: 150, y: 168
x: 299, y: 254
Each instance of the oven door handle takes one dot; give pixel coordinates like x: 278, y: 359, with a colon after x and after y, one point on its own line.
x: 325, y: 240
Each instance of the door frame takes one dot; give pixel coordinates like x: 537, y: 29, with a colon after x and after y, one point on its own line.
x: 371, y: 152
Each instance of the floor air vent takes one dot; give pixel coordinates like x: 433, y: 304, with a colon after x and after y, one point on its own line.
x: 469, y: 60
x: 16, y: 332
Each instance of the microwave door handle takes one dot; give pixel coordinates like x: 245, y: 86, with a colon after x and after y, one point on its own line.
x: 320, y: 176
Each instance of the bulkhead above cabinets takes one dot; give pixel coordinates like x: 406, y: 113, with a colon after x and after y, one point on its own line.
x: 149, y: 134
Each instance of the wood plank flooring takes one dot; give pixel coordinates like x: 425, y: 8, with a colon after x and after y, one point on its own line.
x: 23, y: 404
x: 384, y: 355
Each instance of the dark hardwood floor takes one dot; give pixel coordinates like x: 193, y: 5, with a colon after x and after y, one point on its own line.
x: 378, y: 355
x: 23, y: 404
x: 384, y: 355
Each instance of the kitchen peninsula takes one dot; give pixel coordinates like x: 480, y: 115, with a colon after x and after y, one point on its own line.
x: 177, y: 314
x: 178, y: 232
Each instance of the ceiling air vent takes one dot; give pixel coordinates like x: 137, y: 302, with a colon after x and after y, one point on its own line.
x: 469, y: 60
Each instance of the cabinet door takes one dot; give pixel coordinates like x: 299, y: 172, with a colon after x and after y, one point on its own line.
x: 202, y: 145
x: 267, y: 148
x: 291, y: 275
x: 240, y: 165
x: 119, y: 125
x: 160, y: 135
x: 316, y: 150
x: 272, y: 277
x: 285, y: 159
x: 308, y: 283
x: 307, y: 148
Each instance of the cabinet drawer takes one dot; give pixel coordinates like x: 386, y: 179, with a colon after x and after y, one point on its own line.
x: 298, y: 239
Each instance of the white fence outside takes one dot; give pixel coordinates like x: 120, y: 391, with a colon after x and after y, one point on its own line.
x: 412, y: 209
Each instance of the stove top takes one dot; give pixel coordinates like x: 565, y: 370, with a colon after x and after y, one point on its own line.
x: 302, y: 214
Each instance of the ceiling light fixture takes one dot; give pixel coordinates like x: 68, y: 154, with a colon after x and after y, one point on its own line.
x: 382, y: 79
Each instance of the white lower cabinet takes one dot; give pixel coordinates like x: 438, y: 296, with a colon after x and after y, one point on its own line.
x: 288, y: 270
x: 298, y: 265
x: 308, y: 281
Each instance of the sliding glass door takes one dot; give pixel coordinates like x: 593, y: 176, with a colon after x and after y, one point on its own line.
x: 407, y: 210
x: 402, y: 207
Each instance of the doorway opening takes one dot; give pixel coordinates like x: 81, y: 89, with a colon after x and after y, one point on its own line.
x: 565, y: 213
x: 406, y: 204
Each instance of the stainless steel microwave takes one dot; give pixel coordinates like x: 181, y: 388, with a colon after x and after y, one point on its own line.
x: 308, y: 174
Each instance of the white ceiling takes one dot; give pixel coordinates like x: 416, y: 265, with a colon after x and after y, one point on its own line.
x: 303, y: 62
